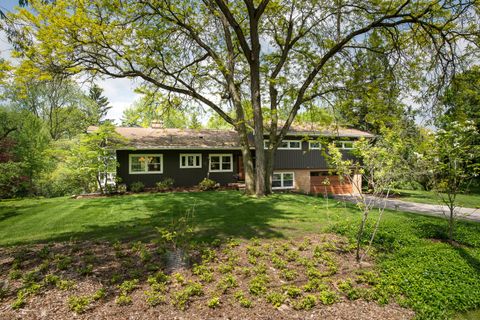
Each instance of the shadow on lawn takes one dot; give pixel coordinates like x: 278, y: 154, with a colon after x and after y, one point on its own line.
x: 216, y: 215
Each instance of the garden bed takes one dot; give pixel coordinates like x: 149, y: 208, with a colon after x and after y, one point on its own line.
x: 310, y: 277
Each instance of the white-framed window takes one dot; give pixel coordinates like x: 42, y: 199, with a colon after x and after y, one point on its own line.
x: 314, y: 145
x: 190, y: 160
x: 344, y: 145
x: 145, y: 163
x: 286, y: 145
x: 291, y: 144
x: 283, y: 180
x: 221, y: 162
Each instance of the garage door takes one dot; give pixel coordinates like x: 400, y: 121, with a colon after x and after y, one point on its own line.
x: 336, y: 185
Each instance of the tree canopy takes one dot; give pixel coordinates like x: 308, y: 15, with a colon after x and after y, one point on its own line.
x: 280, y: 54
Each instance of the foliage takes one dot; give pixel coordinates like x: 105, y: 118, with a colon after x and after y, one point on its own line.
x: 179, y: 232
x: 207, y: 184
x: 379, y: 166
x: 137, y: 186
x: 94, y: 156
x: 100, y: 105
x: 454, y: 163
x: 156, y: 107
x: 165, y: 185
x: 214, y: 302
x: 208, y: 52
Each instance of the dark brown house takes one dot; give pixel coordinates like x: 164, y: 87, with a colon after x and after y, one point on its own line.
x: 189, y: 155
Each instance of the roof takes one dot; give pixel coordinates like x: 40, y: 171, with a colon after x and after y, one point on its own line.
x: 169, y: 138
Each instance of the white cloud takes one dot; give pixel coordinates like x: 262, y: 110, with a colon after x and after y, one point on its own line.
x: 120, y: 93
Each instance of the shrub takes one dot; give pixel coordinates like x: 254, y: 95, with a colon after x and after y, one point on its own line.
x: 328, y: 297
x: 244, y: 302
x: 78, y: 304
x: 207, y: 184
x: 165, y: 185
x: 276, y: 299
x: 292, y: 291
x: 307, y: 303
x: 137, y: 186
x: 123, y: 300
x: 214, y: 302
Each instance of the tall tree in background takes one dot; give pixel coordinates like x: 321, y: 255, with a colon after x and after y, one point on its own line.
x: 211, y: 51
x: 57, y: 101
x: 100, y: 104
x: 461, y: 100
x: 156, y: 108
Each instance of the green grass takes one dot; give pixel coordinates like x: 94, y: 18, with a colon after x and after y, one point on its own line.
x: 471, y: 200
x: 418, y: 270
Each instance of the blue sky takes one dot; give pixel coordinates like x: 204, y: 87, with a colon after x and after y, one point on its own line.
x: 118, y: 91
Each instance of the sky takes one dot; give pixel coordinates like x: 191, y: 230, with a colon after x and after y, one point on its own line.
x: 120, y: 92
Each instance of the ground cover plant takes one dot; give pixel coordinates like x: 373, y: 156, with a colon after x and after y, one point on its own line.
x: 282, y: 255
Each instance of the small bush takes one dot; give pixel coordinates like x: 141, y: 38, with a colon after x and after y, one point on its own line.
x: 328, y: 297
x: 276, y: 299
x: 78, y: 304
x: 242, y: 300
x: 207, y: 184
x: 307, y: 303
x: 154, y: 297
x: 165, y: 185
x: 214, y: 302
x: 137, y: 186
x: 292, y: 291
x: 123, y: 300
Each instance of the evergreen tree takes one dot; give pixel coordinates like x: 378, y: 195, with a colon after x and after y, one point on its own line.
x: 101, y: 105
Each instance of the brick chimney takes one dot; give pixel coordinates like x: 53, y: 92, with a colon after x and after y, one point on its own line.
x: 156, y: 124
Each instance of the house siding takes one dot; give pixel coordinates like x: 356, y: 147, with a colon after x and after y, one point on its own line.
x: 183, y: 177
x: 304, y: 158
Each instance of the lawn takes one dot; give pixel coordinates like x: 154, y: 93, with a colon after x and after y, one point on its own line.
x: 471, y: 200
x: 415, y: 267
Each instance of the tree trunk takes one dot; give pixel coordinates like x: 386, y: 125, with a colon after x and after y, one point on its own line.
x: 451, y: 222
x: 247, y: 159
x: 269, y: 158
x: 255, y: 96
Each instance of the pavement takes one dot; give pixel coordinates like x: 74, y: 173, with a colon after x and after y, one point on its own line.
x: 415, y: 207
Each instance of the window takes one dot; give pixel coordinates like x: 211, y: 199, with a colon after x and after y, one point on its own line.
x: 286, y: 144
x: 314, y: 145
x: 344, y: 145
x: 282, y: 180
x: 221, y: 163
x: 146, y: 163
x: 190, y: 161
x: 290, y: 144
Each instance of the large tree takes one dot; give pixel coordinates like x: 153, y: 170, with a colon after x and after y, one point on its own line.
x: 279, y: 54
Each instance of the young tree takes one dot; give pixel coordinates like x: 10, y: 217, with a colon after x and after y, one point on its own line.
x: 454, y: 164
x: 379, y: 166
x: 94, y: 156
x: 279, y: 54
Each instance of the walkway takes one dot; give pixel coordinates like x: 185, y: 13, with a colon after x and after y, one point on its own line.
x: 423, y: 208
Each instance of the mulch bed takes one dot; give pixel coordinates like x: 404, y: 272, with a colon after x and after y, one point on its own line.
x: 91, y: 266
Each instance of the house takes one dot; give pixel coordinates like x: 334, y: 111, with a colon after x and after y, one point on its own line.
x: 190, y: 155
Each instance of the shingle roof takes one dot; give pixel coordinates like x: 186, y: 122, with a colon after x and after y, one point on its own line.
x: 169, y: 138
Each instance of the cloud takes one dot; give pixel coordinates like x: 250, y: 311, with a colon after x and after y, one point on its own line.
x: 120, y: 93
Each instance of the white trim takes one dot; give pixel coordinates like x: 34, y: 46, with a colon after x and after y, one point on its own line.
x: 343, y: 144
x: 282, y: 187
x: 313, y: 148
x: 221, y: 155
x: 290, y: 148
x: 146, y: 165
x: 199, y: 155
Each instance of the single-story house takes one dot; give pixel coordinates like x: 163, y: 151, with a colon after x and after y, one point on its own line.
x: 190, y: 155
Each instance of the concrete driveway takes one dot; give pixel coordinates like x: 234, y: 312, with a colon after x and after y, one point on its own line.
x: 415, y: 207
